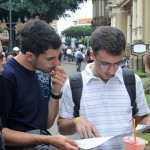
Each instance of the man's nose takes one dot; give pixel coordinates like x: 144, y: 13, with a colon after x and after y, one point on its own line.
x: 56, y: 61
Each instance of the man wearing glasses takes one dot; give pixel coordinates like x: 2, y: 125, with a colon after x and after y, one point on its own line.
x: 2, y: 84
x: 105, y: 106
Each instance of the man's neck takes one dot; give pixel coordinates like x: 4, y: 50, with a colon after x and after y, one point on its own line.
x: 22, y: 60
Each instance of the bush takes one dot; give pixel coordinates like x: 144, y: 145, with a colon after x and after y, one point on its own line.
x: 1, y: 28
x: 145, y: 85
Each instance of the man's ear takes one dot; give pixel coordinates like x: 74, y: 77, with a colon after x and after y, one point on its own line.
x: 30, y: 56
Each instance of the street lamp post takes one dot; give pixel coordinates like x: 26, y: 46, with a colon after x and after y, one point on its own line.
x: 10, y: 26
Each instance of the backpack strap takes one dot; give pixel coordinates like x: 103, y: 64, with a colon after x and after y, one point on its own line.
x: 129, y: 80
x: 76, y: 85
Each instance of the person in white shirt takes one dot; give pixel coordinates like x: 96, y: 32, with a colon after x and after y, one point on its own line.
x: 79, y: 59
x: 105, y: 105
x: 69, y: 54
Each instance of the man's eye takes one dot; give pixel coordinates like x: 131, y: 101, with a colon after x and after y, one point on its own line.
x: 117, y: 63
x: 105, y: 64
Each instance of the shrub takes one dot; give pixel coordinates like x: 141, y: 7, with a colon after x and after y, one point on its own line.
x: 145, y: 85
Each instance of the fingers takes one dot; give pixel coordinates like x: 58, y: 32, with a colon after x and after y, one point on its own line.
x: 64, y: 143
x: 86, y: 129
x: 95, y: 132
x: 58, y: 75
x: 71, y: 143
x: 70, y: 147
x: 89, y: 132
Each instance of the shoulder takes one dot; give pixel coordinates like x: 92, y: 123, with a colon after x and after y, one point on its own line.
x: 4, y: 84
x: 138, y: 80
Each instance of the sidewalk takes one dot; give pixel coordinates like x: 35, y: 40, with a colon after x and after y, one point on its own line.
x: 67, y: 62
x: 147, y: 147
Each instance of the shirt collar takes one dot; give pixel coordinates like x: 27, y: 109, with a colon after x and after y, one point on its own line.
x: 119, y: 75
x: 90, y: 75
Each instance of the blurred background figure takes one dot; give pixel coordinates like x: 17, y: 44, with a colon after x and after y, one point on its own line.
x: 70, y: 54
x: 16, y: 50
x: 10, y: 55
x: 79, y: 59
x: 147, y: 65
x: 2, y: 60
x: 90, y: 56
x: 2, y: 84
x: 60, y: 57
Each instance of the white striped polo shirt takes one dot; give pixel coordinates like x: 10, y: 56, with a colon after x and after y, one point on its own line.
x: 106, y: 105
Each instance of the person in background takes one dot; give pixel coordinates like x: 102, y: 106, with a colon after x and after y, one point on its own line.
x: 147, y: 65
x: 60, y: 57
x: 105, y: 105
x: 31, y: 105
x: 79, y: 59
x: 10, y: 55
x: 70, y: 54
x: 16, y: 50
x: 3, y: 85
x: 90, y: 56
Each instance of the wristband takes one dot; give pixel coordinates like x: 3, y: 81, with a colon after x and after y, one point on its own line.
x: 77, y: 118
x: 56, y: 96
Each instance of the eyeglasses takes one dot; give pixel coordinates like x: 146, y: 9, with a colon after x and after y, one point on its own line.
x: 106, y: 66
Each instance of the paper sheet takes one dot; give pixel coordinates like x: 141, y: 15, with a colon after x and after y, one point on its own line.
x: 140, y: 126
x: 92, y: 142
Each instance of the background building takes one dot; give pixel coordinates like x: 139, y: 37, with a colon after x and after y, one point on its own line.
x: 100, y: 13
x: 130, y: 16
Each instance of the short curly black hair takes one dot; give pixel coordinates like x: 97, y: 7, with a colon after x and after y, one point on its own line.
x: 38, y: 36
x: 109, y: 39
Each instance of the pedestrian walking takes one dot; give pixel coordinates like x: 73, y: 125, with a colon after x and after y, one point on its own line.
x: 79, y: 59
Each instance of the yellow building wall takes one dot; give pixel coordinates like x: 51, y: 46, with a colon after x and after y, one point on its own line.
x: 146, y: 21
x: 121, y: 22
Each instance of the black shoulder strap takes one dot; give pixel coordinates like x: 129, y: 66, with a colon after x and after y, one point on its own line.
x: 76, y: 85
x: 129, y: 80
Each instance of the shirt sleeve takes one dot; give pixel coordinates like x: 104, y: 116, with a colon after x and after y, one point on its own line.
x: 66, y: 103
x: 140, y: 98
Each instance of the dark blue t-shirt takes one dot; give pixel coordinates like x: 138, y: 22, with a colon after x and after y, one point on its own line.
x: 26, y: 107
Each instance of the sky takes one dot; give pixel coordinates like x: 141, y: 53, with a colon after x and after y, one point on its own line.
x: 84, y: 12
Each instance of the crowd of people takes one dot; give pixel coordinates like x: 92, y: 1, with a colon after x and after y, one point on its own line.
x: 32, y: 82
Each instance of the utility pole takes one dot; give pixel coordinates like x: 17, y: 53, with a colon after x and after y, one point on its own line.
x: 10, y: 25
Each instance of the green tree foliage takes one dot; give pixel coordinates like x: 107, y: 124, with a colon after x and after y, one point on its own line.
x: 46, y: 9
x: 1, y: 28
x: 78, y: 31
x: 81, y: 33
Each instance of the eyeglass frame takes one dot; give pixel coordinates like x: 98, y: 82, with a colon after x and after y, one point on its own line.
x: 107, y: 66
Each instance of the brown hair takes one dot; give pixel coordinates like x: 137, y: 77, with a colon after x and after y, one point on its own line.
x: 147, y: 59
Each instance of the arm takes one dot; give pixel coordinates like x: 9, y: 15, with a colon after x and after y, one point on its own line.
x: 142, y: 115
x: 58, y: 79
x: 66, y: 126
x: 14, y: 138
x: 81, y: 125
x: 65, y: 122
x: 145, y: 120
